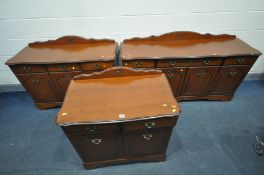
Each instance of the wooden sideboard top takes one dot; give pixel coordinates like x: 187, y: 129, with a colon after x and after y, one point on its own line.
x: 66, y: 49
x: 117, y: 94
x: 185, y: 45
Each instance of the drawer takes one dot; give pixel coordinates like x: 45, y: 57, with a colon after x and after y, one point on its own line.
x: 139, y: 63
x: 63, y: 67
x: 27, y: 68
x: 239, y: 61
x: 149, y: 124
x: 172, y: 63
x: 205, y: 62
x: 90, y: 129
x: 97, y: 65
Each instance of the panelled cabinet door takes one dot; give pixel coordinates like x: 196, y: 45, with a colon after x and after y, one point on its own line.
x: 146, y: 142
x: 98, y: 147
x: 175, y: 77
x: 62, y: 80
x: 198, y: 79
x: 39, y: 86
x: 228, y: 79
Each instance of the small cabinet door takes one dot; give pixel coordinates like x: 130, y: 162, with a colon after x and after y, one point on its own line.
x: 62, y: 80
x: 198, y: 80
x: 98, y: 147
x: 40, y: 87
x: 228, y: 79
x: 175, y: 77
x: 146, y: 142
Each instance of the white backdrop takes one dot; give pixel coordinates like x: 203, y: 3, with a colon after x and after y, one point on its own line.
x: 34, y: 20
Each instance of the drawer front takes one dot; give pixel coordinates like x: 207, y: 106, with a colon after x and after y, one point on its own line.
x: 239, y: 61
x: 146, y: 143
x: 90, y: 129
x: 205, y: 62
x: 172, y: 63
x: 63, y: 67
x: 149, y: 124
x: 97, y: 66
x: 139, y: 63
x: 27, y: 68
x: 98, y: 147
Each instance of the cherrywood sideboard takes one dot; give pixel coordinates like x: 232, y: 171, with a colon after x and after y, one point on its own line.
x: 119, y: 115
x: 198, y: 66
x: 45, y: 69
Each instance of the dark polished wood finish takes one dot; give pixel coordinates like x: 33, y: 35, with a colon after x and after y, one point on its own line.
x: 120, y: 115
x: 198, y: 66
x: 45, y: 69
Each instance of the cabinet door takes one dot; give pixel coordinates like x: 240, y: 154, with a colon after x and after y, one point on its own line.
x: 198, y: 80
x: 98, y: 147
x: 62, y: 80
x: 146, y: 142
x: 175, y: 77
x: 40, y: 87
x: 228, y: 79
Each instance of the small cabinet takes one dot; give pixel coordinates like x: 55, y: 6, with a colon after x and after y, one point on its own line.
x: 228, y: 79
x: 40, y: 87
x: 62, y: 80
x: 197, y: 80
x: 175, y: 77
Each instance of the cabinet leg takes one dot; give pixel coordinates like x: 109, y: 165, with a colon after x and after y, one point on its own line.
x: 48, y: 105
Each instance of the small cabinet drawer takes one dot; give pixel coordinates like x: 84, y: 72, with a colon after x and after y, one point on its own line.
x: 205, y: 62
x: 90, y: 129
x: 63, y: 67
x: 27, y: 68
x: 149, y: 124
x: 239, y: 61
x: 97, y: 66
x: 139, y: 63
x: 172, y: 63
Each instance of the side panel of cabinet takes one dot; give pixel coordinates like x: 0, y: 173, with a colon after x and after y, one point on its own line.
x: 198, y: 80
x: 228, y: 79
x: 40, y: 87
x: 146, y: 142
x: 62, y: 80
x: 98, y: 147
x: 175, y: 77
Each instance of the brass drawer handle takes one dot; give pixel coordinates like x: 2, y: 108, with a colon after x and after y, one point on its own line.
x: 172, y: 63
x: 147, y: 136
x: 27, y: 68
x: 62, y: 68
x: 96, y: 141
x: 138, y: 64
x: 150, y: 125
x: 35, y: 81
x: 91, y: 128
x: 206, y: 62
x: 98, y: 67
x: 233, y: 74
x: 241, y: 60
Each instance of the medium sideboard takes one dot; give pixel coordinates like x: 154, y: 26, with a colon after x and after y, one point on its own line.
x: 45, y: 69
x: 198, y: 66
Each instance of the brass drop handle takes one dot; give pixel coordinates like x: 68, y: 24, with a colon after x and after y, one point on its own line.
x: 98, y: 67
x: 233, y: 73
x: 172, y: 63
x: 62, y: 67
x: 150, y: 125
x: 27, y: 68
x: 206, y: 62
x: 170, y: 76
x: 91, y: 128
x: 138, y: 64
x: 240, y: 60
x: 96, y: 141
x: 147, y: 136
x: 201, y: 74
x: 35, y: 81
